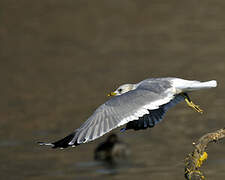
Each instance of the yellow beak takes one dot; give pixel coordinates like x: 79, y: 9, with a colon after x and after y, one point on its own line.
x: 111, y: 94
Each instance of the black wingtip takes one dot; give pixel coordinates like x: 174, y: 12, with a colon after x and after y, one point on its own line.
x: 45, y: 144
x: 62, y: 143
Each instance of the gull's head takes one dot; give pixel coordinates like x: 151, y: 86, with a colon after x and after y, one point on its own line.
x: 122, y: 89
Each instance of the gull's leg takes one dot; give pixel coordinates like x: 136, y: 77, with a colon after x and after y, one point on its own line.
x: 191, y: 104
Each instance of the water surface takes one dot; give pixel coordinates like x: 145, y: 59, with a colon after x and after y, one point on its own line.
x: 59, y: 59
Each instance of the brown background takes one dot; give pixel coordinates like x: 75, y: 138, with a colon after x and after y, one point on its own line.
x: 59, y: 59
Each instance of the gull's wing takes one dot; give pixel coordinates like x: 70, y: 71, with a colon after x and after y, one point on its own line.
x: 120, y: 110
x: 154, y: 116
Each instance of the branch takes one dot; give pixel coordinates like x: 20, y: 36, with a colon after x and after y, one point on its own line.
x: 194, y: 160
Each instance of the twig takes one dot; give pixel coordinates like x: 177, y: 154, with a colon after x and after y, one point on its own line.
x: 194, y: 160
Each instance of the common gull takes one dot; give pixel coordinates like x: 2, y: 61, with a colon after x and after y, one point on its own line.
x: 138, y: 106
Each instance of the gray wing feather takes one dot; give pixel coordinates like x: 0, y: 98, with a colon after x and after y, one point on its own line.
x: 109, y: 115
x: 119, y: 110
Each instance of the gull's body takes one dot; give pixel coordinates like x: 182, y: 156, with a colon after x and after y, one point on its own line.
x: 139, y: 106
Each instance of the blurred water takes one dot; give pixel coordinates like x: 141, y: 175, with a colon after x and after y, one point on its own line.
x: 59, y: 59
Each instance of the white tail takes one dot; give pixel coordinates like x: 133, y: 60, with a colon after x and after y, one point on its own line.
x: 182, y: 85
x: 208, y: 84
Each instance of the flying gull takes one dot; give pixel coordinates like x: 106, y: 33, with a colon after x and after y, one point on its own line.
x: 138, y: 106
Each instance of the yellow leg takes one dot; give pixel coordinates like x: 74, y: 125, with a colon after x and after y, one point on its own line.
x: 194, y: 106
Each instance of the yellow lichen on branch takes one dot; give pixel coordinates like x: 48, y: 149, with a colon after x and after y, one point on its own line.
x: 194, y: 160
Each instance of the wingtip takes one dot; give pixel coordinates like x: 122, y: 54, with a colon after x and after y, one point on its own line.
x: 45, y: 144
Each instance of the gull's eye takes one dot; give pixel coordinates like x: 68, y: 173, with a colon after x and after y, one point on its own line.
x: 119, y: 90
